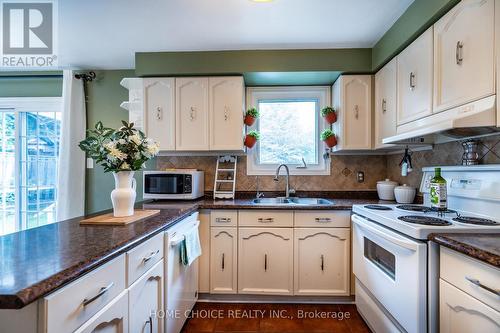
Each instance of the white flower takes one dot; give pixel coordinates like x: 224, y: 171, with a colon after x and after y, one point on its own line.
x: 137, y: 156
x: 116, y: 153
x: 124, y: 166
x: 110, y: 145
x: 135, y: 139
x: 122, y: 141
x: 153, y: 148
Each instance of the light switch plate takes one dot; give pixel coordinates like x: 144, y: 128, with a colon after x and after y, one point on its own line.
x: 90, y: 163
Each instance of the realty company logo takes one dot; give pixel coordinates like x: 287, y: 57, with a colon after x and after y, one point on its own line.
x: 28, y: 34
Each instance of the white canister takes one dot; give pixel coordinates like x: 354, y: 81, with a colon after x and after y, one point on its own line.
x: 385, y: 189
x: 405, y: 194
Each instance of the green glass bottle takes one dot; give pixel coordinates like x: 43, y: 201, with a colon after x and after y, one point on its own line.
x: 438, y: 191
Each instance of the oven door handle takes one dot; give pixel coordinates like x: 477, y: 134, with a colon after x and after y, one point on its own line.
x: 384, y: 233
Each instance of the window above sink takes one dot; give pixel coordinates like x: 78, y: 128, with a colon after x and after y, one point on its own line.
x: 290, y: 125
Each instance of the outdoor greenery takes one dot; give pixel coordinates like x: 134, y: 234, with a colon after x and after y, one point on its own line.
x: 124, y: 149
x: 326, y: 134
x: 327, y: 110
x: 288, y: 131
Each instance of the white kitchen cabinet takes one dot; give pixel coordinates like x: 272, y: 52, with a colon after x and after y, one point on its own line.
x: 265, y: 261
x: 226, y: 110
x: 151, y: 108
x: 113, y: 318
x: 146, y: 302
x: 159, y: 109
x: 414, y: 83
x: 192, y: 116
x: 464, y: 69
x: 352, y: 98
x: 204, y: 259
x: 223, y: 260
x: 385, y: 103
x: 462, y: 313
x: 321, y: 261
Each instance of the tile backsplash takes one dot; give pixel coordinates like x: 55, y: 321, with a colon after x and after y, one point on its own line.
x: 342, y: 177
x: 344, y: 168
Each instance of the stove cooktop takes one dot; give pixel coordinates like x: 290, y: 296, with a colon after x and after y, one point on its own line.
x: 418, y: 221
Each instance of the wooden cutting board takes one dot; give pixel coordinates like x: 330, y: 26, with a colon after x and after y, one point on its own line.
x: 109, y: 219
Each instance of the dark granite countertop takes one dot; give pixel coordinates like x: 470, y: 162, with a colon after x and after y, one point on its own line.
x: 484, y: 247
x: 37, y: 261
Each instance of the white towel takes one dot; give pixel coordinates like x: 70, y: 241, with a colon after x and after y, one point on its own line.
x: 190, y: 247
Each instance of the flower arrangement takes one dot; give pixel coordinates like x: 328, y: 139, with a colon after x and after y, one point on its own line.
x: 124, y: 149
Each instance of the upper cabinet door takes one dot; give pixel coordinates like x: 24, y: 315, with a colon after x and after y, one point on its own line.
x: 415, y: 79
x: 191, y: 110
x: 357, y: 105
x: 385, y: 103
x: 159, y: 106
x: 226, y: 113
x: 464, y: 54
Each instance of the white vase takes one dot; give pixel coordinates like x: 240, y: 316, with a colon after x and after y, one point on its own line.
x: 123, y: 196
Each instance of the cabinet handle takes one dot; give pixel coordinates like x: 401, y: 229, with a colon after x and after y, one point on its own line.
x: 265, y: 262
x: 412, y: 80
x: 480, y: 285
x: 226, y: 114
x: 322, y: 263
x: 101, y: 292
x: 192, y: 113
x: 265, y: 220
x: 458, y: 52
x: 356, y: 111
x: 223, y: 263
x: 151, y: 255
x: 384, y: 105
x: 159, y: 113
x: 223, y: 219
x: 323, y: 219
x: 150, y: 323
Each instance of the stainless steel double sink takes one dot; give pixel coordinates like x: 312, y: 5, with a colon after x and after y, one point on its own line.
x: 291, y: 201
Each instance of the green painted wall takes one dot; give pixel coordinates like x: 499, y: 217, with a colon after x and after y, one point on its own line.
x: 30, y: 84
x: 103, y: 104
x: 419, y: 16
x: 239, y: 62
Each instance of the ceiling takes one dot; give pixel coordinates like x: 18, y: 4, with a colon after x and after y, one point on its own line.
x: 105, y: 34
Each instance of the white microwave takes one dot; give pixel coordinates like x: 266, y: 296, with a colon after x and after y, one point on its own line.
x: 173, y: 184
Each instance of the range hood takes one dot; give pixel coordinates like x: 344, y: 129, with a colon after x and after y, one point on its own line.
x: 472, y: 120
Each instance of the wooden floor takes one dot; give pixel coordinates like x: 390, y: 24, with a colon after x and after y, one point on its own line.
x: 231, y: 317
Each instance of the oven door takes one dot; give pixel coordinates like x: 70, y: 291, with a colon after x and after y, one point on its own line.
x: 166, y: 184
x: 393, y: 268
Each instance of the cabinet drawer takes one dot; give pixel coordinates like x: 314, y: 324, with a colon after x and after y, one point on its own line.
x: 68, y: 308
x: 466, y: 273
x: 112, y: 319
x: 224, y: 218
x: 461, y: 313
x: 143, y: 257
x: 323, y: 219
x: 263, y: 218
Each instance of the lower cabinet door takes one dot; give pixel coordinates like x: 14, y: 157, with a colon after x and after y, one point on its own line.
x: 322, y: 258
x: 113, y: 318
x: 265, y: 261
x: 462, y: 313
x: 146, y: 302
x: 223, y: 257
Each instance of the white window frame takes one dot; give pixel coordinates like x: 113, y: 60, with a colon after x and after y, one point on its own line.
x: 320, y: 93
x: 19, y: 105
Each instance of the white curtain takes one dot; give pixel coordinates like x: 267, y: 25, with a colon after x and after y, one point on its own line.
x: 71, y: 168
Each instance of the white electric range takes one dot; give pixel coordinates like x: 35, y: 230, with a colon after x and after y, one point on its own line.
x: 396, y: 267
